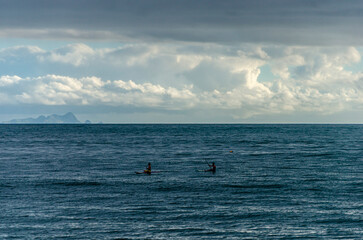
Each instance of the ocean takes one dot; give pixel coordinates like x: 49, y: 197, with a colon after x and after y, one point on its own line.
x: 272, y: 181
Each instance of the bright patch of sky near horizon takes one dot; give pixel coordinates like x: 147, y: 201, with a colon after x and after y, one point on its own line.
x: 162, y: 67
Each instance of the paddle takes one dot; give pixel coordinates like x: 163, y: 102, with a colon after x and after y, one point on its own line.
x: 207, y: 162
x: 150, y: 172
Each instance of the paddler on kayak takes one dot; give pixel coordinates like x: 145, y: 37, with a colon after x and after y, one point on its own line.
x: 212, y: 168
x: 148, y: 169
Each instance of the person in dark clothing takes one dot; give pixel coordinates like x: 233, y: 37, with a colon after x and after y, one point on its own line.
x: 148, y: 169
x: 212, y: 168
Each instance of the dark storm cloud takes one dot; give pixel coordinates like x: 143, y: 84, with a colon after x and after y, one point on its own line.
x: 276, y: 21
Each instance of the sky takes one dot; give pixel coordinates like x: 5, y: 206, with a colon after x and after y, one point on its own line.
x: 183, y: 61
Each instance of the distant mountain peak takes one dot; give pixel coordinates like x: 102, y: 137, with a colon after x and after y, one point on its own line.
x: 54, y: 118
x: 69, y: 117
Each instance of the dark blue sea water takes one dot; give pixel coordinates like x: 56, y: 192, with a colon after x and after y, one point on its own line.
x: 280, y: 181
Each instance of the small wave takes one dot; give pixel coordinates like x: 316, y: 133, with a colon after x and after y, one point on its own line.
x: 6, y: 186
x: 176, y: 188
x: 315, y: 180
x: 318, y: 154
x: 167, y: 189
x: 339, y: 221
x: 183, y: 154
x: 265, y: 186
x: 315, y: 189
x: 183, y: 229
x: 69, y: 183
x: 78, y: 183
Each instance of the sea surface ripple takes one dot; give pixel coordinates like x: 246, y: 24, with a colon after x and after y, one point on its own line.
x: 272, y: 181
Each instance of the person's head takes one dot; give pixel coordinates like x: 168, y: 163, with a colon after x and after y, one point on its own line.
x: 212, y: 163
x: 149, y: 164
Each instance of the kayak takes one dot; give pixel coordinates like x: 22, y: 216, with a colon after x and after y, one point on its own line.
x: 143, y: 172
x: 205, y: 171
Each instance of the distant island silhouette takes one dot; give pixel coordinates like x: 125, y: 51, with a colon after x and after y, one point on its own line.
x: 54, y: 118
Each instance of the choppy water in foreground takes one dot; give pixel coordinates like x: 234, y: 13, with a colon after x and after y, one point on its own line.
x: 280, y: 181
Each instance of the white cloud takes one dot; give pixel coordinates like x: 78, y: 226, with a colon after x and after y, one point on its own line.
x: 75, y: 54
x: 148, y: 95
x: 9, y: 80
x: 63, y: 90
x: 175, y: 77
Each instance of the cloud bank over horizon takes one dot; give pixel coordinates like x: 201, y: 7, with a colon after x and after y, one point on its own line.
x: 178, y: 79
x: 173, y: 61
